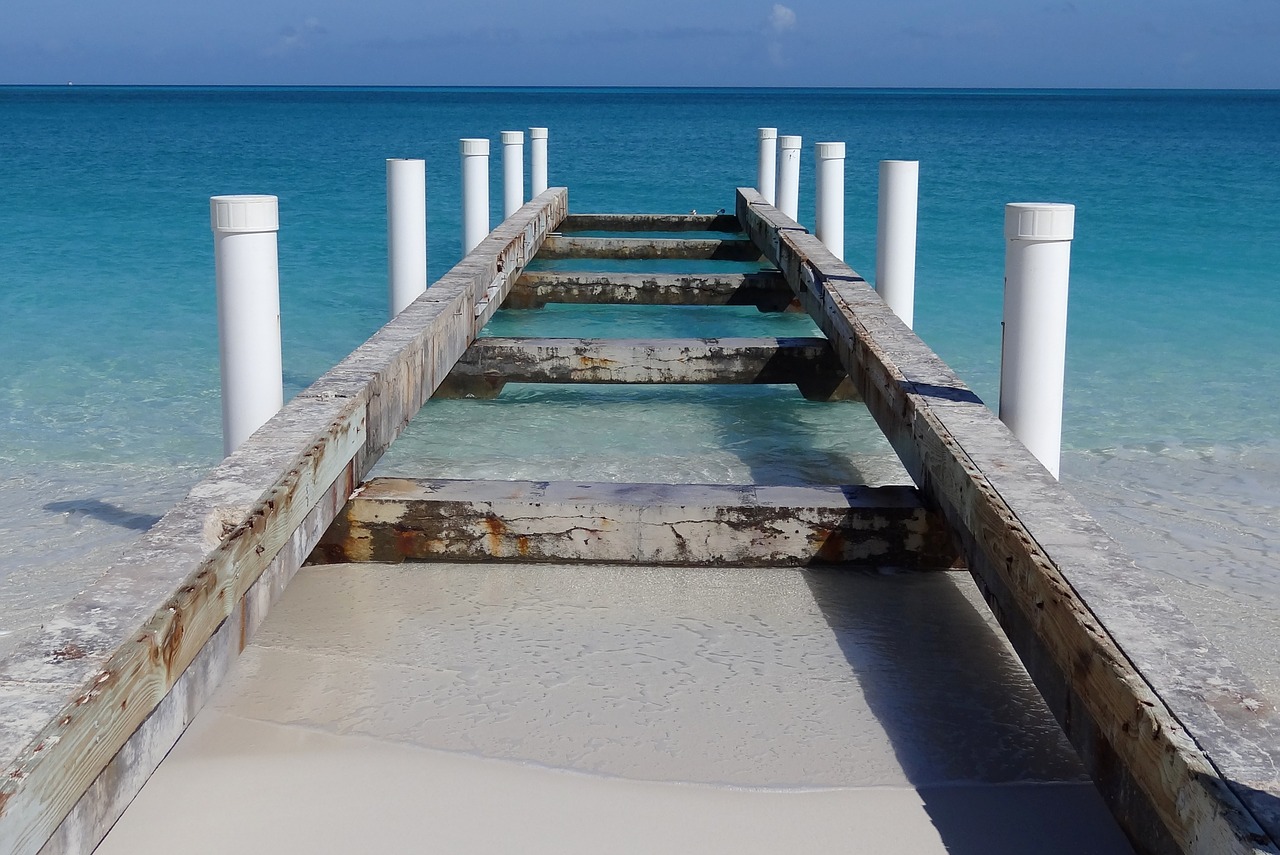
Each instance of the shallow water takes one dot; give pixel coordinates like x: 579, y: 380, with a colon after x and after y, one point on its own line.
x: 108, y: 385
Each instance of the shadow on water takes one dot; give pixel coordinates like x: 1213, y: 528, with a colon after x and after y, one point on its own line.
x: 765, y: 429
x: 963, y: 719
x: 104, y: 512
x: 778, y: 437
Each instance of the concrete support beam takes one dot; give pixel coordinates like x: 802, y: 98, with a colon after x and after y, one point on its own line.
x: 651, y: 223
x: 1179, y: 741
x: 768, y: 291
x: 491, y: 363
x: 727, y: 249
x: 393, y: 520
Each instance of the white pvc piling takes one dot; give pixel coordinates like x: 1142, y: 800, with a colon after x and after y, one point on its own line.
x: 248, y: 284
x: 829, y: 196
x: 1033, y: 358
x: 512, y: 172
x: 406, y: 232
x: 537, y: 161
x: 789, y: 176
x: 767, y: 169
x: 896, y: 236
x: 475, y: 192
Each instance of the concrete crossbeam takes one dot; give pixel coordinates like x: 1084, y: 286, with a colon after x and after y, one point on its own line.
x: 767, y: 290
x: 491, y: 363
x: 651, y: 223
x: 394, y: 519
x: 726, y: 249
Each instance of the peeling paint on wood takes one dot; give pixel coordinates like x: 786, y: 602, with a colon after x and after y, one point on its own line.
x: 395, y: 519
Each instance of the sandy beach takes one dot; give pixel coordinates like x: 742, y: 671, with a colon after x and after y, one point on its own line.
x: 574, y: 709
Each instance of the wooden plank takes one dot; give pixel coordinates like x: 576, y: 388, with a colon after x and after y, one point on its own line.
x: 720, y: 222
x: 73, y: 696
x: 112, y: 791
x: 491, y: 363
x: 624, y: 249
x: 767, y: 290
x: 394, y: 519
x: 1179, y: 741
x: 126, y: 661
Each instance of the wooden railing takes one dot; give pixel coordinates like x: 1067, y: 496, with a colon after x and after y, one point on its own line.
x: 91, y: 704
x: 1178, y: 740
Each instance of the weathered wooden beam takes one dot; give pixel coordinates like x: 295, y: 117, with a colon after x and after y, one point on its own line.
x: 83, y: 712
x: 767, y: 290
x: 719, y: 249
x: 491, y: 363
x: 394, y: 519
x: 1178, y: 740
x: 727, y: 223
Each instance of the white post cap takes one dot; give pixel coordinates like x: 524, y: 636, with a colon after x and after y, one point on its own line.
x: 513, y: 137
x: 474, y: 146
x: 768, y: 133
x: 1039, y: 221
x: 537, y: 133
x: 829, y: 150
x: 788, y: 142
x: 232, y: 214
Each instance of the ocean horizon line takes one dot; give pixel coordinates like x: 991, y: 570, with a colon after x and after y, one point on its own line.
x: 894, y: 90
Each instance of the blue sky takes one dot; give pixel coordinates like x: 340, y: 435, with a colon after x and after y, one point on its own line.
x: 1122, y: 43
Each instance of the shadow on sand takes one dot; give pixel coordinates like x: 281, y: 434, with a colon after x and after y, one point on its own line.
x: 988, y: 761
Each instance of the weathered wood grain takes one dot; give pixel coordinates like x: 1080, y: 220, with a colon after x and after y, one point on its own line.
x: 126, y: 659
x: 491, y: 363
x: 105, y: 801
x: 394, y: 519
x: 722, y: 249
x: 1178, y: 740
x: 767, y: 290
x: 74, y: 696
x: 651, y: 223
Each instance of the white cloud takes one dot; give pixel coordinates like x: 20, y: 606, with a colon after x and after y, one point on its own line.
x: 295, y: 38
x: 782, y: 18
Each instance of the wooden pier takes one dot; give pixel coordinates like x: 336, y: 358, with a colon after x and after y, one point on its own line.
x: 1182, y: 747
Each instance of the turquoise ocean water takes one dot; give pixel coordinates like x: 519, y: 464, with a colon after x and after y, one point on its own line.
x: 108, y: 347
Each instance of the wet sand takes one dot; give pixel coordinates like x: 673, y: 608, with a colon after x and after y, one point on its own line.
x: 571, y: 709
x: 237, y: 785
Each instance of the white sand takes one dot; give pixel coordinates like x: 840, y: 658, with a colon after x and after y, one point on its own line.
x: 236, y: 785
x: 588, y: 709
